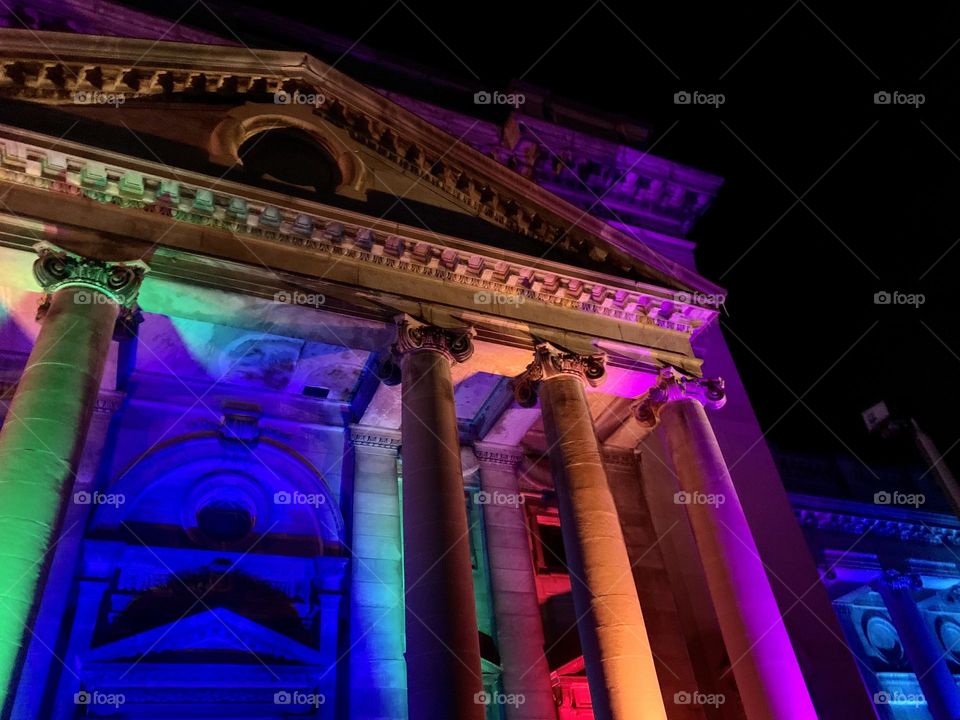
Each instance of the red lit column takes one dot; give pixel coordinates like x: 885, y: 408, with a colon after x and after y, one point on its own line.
x: 616, y: 649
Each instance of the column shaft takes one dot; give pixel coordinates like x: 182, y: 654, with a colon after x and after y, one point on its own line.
x: 927, y: 658
x: 378, y: 686
x: 40, y: 446
x: 443, y: 648
x: 764, y: 664
x: 48, y: 627
x: 619, y: 661
x: 517, y: 608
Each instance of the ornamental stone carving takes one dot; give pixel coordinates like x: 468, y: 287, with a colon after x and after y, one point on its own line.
x: 456, y: 344
x: 56, y: 268
x: 672, y: 385
x: 550, y: 361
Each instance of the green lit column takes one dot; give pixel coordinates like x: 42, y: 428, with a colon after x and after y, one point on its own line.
x: 46, y: 423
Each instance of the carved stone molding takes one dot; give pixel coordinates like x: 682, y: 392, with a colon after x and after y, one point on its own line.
x: 501, y: 455
x: 672, y: 385
x: 56, y: 268
x: 368, y: 438
x: 620, y: 456
x: 550, y: 361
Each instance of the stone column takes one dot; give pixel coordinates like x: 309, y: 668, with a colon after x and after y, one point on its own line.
x: 764, y: 664
x: 515, y: 602
x: 43, y: 436
x: 444, y: 678
x: 48, y: 628
x: 616, y: 649
x: 378, y: 683
x: 927, y: 657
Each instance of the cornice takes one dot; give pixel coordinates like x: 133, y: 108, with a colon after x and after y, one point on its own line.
x: 851, y: 518
x: 61, y: 64
x: 508, y: 278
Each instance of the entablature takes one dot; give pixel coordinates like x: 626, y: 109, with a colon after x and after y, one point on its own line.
x: 386, y: 265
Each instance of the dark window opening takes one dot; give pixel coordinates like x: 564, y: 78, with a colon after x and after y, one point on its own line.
x: 292, y: 156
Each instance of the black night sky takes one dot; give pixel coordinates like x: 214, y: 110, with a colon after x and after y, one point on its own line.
x: 829, y: 197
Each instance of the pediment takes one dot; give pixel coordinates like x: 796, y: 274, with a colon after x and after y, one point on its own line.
x: 213, y: 630
x: 498, y: 202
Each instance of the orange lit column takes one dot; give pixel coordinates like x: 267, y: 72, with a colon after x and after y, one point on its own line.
x: 46, y: 424
x: 443, y: 648
x: 616, y: 649
x: 764, y: 664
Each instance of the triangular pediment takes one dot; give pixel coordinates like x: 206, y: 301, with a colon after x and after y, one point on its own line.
x: 212, y: 631
x: 194, y: 89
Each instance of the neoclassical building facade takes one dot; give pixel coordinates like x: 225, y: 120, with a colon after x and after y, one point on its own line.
x: 320, y: 399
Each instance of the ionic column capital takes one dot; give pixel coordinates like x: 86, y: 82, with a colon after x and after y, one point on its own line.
x: 672, y: 385
x: 415, y: 336
x: 549, y: 362
x: 56, y: 268
x: 896, y: 580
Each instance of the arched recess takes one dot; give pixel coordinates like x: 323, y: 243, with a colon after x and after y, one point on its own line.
x: 221, y: 493
x: 243, y: 125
